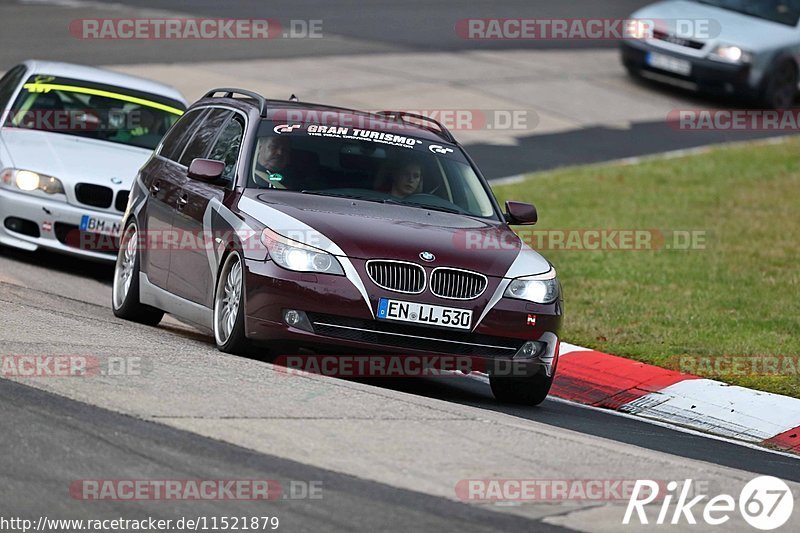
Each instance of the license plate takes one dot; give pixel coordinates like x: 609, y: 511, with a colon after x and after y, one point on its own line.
x: 433, y: 315
x: 669, y: 63
x: 102, y: 226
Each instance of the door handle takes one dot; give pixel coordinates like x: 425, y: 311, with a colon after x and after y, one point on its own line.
x: 182, y: 201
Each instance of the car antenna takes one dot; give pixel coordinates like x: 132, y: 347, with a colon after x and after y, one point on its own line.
x: 294, y: 98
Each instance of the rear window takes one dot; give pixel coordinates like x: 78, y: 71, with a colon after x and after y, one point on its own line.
x: 204, y: 135
x: 94, y: 111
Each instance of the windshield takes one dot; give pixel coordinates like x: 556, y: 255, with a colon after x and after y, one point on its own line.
x: 93, y: 110
x: 391, y: 168
x: 781, y: 11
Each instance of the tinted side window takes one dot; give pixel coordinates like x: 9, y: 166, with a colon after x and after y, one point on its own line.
x: 8, y: 83
x: 176, y: 137
x: 226, y: 149
x: 204, y: 135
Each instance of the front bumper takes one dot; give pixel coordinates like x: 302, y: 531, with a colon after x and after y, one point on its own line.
x: 30, y: 222
x: 342, y: 323
x: 706, y: 75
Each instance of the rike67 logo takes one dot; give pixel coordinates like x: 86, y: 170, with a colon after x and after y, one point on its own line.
x: 765, y: 503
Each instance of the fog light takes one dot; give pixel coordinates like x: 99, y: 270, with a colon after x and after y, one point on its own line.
x: 297, y: 319
x: 529, y: 350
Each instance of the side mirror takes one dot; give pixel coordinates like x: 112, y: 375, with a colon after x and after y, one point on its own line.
x: 520, y: 213
x: 206, y: 169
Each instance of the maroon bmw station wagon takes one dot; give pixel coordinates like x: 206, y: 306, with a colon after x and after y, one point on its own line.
x: 295, y: 226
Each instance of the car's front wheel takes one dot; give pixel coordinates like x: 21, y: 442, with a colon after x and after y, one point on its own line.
x: 525, y: 390
x: 125, y: 293
x: 780, y: 89
x: 229, y: 306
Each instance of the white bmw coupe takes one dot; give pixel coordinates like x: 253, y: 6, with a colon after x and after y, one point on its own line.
x: 71, y: 142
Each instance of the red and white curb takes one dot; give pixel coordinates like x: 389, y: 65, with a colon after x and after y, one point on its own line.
x: 607, y: 381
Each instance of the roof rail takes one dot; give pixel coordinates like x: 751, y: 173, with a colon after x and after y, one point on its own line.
x: 229, y: 92
x: 442, y: 132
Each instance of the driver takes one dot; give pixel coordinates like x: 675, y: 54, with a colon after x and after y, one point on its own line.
x: 271, y: 161
x: 406, y: 179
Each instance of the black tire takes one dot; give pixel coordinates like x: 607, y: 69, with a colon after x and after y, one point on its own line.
x: 233, y: 341
x: 633, y: 72
x: 780, y: 88
x: 523, y: 390
x: 126, y: 304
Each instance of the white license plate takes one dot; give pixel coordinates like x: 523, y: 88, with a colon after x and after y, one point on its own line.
x: 99, y: 225
x: 433, y: 315
x: 669, y: 63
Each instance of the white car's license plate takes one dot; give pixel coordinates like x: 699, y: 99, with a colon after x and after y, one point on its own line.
x: 102, y: 226
x: 433, y: 315
x: 669, y: 63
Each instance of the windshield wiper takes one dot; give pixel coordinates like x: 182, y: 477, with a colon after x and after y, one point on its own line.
x: 334, y: 194
x: 444, y: 209
x: 393, y: 201
x: 355, y: 197
x: 434, y: 207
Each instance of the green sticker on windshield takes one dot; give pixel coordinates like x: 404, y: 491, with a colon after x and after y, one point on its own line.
x: 275, y: 177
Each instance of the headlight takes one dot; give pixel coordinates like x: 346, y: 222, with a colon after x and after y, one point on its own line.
x: 29, y: 181
x: 639, y: 29
x: 730, y: 54
x: 540, y: 289
x: 293, y: 255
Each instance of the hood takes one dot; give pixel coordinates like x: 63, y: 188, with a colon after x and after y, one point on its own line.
x: 370, y: 230
x: 73, y: 159
x: 749, y: 32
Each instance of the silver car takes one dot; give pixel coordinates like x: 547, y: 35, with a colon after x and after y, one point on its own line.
x: 743, y: 48
x: 71, y: 143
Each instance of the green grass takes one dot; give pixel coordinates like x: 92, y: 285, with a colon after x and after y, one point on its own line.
x: 737, y: 297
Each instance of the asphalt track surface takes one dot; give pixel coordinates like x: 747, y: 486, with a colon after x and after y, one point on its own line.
x: 40, y: 29
x: 53, y: 441
x: 352, y: 26
x: 56, y: 441
x: 53, y: 303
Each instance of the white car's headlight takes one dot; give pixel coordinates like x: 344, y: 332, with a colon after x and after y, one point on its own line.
x: 728, y: 53
x: 539, y: 289
x: 29, y: 181
x: 639, y: 29
x: 293, y: 255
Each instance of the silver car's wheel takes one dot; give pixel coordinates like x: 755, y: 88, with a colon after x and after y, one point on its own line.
x: 126, y: 261
x: 227, y: 302
x: 781, y: 86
